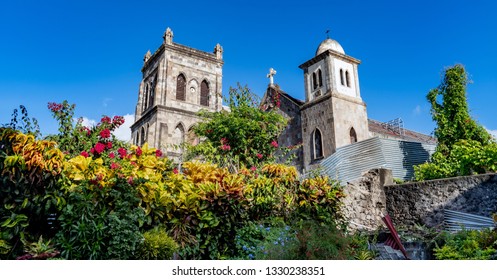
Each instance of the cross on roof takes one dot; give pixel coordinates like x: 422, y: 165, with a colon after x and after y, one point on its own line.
x: 272, y: 72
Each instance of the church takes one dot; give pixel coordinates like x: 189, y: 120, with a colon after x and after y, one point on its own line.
x: 179, y: 81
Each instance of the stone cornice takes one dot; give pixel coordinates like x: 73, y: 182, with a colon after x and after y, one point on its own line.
x: 185, y: 50
x: 328, y: 53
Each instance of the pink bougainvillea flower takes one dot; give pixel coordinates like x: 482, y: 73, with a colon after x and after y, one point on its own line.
x: 122, y: 152
x: 259, y: 156
x: 109, y: 145
x: 54, y: 107
x: 175, y: 170
x: 133, y: 163
x: 253, y: 168
x: 138, y: 151
x: 225, y: 147
x: 130, y: 180
x: 158, y: 153
x: 114, y: 166
x: 224, y: 141
x: 85, y: 154
x: 117, y: 120
x: 105, y: 119
x: 112, y: 155
x: 92, y: 150
x: 105, y: 133
x: 99, y: 147
x: 274, y: 144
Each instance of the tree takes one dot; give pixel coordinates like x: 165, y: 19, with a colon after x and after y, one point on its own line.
x: 243, y: 136
x: 464, y: 147
x: 452, y: 115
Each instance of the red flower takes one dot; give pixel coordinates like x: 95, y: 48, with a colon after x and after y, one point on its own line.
x: 138, y: 151
x: 130, y: 180
x: 259, y: 156
x: 225, y: 147
x: 122, y: 152
x: 114, y: 166
x: 274, y: 144
x: 54, y: 107
x: 253, y: 168
x: 105, y: 133
x: 85, y: 154
x: 224, y: 141
x: 117, y: 120
x: 105, y: 119
x: 99, y: 147
x: 109, y: 145
x: 175, y: 170
x: 112, y: 155
x: 158, y: 153
x: 92, y: 150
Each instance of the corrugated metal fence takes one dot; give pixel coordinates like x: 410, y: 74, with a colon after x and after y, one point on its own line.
x: 349, y: 162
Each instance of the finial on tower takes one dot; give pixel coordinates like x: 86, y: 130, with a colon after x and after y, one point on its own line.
x: 168, y: 36
x: 147, y: 56
x: 272, y: 72
x: 327, y: 34
x: 218, y: 50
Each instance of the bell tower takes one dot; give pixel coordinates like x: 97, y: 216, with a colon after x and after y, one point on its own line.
x: 334, y: 114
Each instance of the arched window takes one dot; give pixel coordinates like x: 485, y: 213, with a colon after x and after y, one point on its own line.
x: 320, y: 78
x: 152, y: 96
x: 317, y: 144
x: 178, y: 137
x: 142, y: 136
x: 204, y: 93
x: 353, y: 136
x: 314, y: 81
x: 180, y: 87
x: 347, y: 78
x: 341, y: 77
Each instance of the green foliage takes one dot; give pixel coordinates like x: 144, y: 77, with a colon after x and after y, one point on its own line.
x: 157, y: 245
x: 467, y: 157
x: 101, y: 223
x: 29, y: 172
x: 464, y: 147
x: 452, y: 115
x: 314, y: 240
x: 467, y: 245
x: 243, y: 137
x: 38, y: 250
x: 26, y: 124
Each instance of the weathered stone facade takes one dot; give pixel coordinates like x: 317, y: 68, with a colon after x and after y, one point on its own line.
x: 178, y: 81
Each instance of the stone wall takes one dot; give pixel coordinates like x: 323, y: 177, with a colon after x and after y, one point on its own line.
x: 369, y: 198
x: 423, y: 202
x: 365, y: 201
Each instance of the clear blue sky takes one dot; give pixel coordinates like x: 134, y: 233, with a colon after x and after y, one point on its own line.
x: 90, y: 52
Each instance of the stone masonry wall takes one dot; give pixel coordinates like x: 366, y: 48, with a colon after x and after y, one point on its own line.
x: 365, y: 202
x: 373, y: 195
x: 423, y: 202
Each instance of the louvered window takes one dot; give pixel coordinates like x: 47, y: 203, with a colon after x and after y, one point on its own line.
x: 180, y: 87
x: 204, y: 94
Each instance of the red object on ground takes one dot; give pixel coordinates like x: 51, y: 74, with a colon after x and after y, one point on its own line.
x: 393, y: 239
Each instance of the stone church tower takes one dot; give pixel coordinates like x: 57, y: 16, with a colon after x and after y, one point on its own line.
x: 178, y: 81
x: 333, y: 114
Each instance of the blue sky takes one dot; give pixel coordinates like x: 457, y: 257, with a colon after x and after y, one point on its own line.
x: 90, y: 52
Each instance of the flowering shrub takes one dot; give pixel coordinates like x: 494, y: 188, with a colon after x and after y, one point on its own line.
x: 243, y: 137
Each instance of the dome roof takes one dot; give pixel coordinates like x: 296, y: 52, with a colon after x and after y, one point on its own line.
x: 329, y: 44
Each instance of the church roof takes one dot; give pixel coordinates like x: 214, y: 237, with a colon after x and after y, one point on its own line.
x: 329, y: 44
x: 381, y: 128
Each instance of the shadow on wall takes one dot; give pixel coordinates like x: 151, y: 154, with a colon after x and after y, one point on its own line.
x: 414, y: 153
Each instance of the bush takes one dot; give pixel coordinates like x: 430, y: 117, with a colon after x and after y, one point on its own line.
x: 467, y: 245
x: 157, y: 245
x: 101, y: 222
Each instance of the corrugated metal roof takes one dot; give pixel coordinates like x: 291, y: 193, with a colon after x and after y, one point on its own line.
x: 349, y: 162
